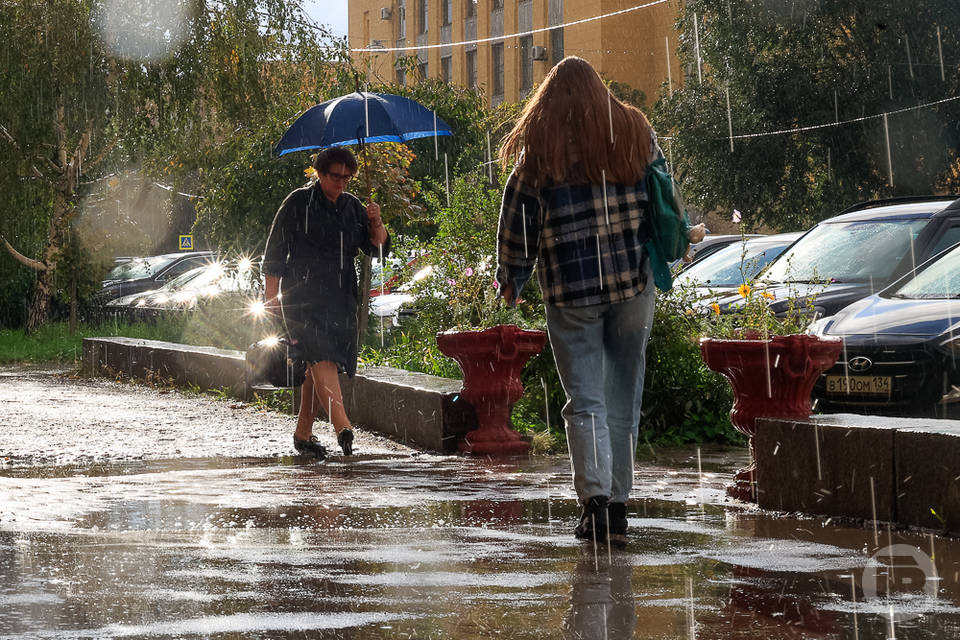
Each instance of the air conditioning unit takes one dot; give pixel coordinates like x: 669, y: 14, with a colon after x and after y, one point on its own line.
x: 385, y: 13
x: 538, y: 53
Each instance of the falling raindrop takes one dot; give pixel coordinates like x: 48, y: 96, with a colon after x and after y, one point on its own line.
x: 446, y: 176
x: 436, y: 137
x: 523, y: 219
x: 666, y: 42
x: 729, y: 117
x: 943, y: 76
x: 696, y: 46
x: 606, y: 205
x: 886, y: 135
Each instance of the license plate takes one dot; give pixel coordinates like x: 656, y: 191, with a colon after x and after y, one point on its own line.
x: 859, y: 384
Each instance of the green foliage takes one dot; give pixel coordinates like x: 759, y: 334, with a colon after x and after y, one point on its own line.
x: 53, y: 342
x: 793, y: 65
x: 683, y: 401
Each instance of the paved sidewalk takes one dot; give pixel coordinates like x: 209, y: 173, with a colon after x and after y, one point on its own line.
x: 51, y: 416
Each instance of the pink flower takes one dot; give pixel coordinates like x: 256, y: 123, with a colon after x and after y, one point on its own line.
x: 451, y: 282
x: 496, y: 285
x: 468, y: 271
x: 736, y: 217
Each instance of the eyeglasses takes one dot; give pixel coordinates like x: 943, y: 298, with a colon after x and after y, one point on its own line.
x: 339, y: 177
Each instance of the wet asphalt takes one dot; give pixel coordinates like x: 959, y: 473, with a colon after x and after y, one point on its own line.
x: 133, y: 512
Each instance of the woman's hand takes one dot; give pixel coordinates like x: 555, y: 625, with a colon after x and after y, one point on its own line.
x: 378, y: 233
x: 695, y: 234
x: 509, y: 295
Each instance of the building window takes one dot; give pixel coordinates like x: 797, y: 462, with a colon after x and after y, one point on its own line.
x: 470, y: 8
x: 422, y: 15
x: 447, y: 11
x: 496, y: 4
x: 423, y: 69
x: 556, y: 45
x: 496, y: 52
x: 471, y: 64
x: 526, y: 63
x: 446, y: 69
x: 401, y: 20
x: 401, y: 77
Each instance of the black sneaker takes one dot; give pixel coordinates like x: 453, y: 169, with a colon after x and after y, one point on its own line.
x: 617, y: 512
x: 345, y: 440
x: 593, y: 520
x: 310, y: 447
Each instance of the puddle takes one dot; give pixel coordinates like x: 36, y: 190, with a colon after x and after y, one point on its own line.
x: 437, y: 547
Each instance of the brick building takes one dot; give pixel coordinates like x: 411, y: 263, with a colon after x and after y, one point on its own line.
x: 636, y: 48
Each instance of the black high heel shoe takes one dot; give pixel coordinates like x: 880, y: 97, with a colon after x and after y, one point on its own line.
x: 310, y: 447
x: 345, y: 440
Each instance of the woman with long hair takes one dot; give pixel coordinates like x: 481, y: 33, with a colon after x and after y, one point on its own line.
x: 575, y: 205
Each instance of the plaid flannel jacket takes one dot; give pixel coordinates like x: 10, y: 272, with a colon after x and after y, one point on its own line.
x: 586, y: 253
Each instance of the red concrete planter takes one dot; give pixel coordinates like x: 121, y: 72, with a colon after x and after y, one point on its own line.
x: 491, y: 361
x: 770, y: 378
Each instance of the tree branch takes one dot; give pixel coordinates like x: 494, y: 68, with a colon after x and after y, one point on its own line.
x: 30, y: 262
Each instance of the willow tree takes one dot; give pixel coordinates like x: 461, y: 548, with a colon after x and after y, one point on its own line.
x: 90, y: 85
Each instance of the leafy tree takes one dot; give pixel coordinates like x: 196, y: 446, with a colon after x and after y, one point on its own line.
x: 791, y: 65
x: 93, y: 85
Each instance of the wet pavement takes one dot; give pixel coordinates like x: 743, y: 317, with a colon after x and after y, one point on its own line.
x: 216, y: 532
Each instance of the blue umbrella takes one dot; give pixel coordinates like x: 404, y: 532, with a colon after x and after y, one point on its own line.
x: 359, y: 118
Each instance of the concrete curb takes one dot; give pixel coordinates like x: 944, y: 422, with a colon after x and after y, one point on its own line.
x: 412, y: 407
x: 869, y: 467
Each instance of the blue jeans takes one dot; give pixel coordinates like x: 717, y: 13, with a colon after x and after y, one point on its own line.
x: 600, y: 356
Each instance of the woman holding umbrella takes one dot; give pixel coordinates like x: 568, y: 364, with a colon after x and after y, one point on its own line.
x: 575, y: 204
x: 311, y: 281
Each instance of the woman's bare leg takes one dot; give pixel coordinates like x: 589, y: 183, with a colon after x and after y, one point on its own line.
x: 309, y: 406
x: 326, y: 388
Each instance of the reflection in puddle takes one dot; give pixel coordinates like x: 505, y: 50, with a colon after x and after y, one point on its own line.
x: 434, y: 547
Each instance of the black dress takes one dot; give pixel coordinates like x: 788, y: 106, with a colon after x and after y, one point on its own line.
x: 311, y: 248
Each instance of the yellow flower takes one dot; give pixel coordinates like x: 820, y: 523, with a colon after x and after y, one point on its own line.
x: 716, y: 308
x: 744, y: 290
x: 311, y: 173
x: 767, y: 295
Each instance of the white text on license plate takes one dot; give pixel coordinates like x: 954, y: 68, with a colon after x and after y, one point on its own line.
x: 858, y: 384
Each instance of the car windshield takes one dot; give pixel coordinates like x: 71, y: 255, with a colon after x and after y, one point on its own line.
x: 196, y: 278
x: 139, y: 268
x: 724, y: 266
x: 847, y: 252
x: 940, y: 279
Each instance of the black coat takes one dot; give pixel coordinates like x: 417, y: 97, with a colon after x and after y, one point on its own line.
x: 311, y: 248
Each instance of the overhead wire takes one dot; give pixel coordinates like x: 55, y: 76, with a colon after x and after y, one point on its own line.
x: 519, y: 34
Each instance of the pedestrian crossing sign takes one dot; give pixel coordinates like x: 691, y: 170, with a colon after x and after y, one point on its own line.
x: 186, y: 243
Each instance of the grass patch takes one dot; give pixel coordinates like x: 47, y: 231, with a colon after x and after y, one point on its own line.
x: 53, y: 342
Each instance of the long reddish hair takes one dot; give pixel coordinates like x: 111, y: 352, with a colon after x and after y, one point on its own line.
x: 563, y: 134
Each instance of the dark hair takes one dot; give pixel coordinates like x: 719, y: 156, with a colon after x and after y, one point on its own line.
x: 335, y: 155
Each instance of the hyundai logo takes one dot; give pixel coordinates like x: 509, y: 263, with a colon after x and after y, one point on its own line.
x: 859, y: 364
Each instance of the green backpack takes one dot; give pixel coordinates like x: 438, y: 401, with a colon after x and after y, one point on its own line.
x: 669, y: 223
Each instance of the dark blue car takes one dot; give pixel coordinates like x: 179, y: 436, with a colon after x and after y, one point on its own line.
x: 901, y: 347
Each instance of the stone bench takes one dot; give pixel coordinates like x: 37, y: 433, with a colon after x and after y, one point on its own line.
x: 415, y: 408
x: 869, y: 467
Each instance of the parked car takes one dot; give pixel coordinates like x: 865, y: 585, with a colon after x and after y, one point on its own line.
x: 237, y: 278
x: 143, y: 274
x: 858, y: 252
x: 722, y: 271
x: 901, y: 346
x: 399, y: 303
x: 713, y: 243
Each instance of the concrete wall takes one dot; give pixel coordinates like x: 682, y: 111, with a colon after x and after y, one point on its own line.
x: 412, y: 407
x: 892, y: 470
